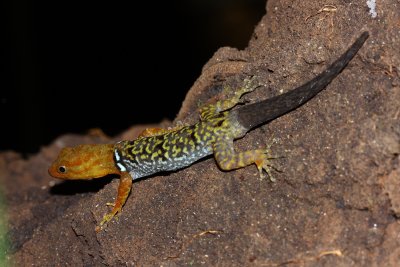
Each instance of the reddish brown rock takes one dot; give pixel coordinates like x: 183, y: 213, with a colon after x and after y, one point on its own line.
x: 335, y: 203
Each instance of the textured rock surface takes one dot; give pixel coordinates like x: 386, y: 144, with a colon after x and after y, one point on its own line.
x: 335, y: 203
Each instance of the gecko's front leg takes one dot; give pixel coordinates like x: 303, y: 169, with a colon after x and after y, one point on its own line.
x: 124, y: 189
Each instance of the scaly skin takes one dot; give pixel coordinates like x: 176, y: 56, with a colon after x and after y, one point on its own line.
x: 178, y: 148
x: 84, y: 162
x: 92, y: 161
x: 157, y: 149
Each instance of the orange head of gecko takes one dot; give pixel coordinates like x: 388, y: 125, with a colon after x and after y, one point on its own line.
x: 84, y: 162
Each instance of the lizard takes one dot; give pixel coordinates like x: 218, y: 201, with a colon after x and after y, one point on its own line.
x: 159, y: 150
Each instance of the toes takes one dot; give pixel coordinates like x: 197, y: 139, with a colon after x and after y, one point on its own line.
x: 260, y: 171
x: 250, y: 84
x: 268, y: 171
x: 264, y: 164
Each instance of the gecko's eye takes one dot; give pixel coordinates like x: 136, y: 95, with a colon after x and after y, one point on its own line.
x: 62, y: 169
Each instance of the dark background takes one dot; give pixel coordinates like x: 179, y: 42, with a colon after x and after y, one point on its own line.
x: 71, y: 66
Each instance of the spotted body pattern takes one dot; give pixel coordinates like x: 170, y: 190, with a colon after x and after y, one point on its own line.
x: 167, y: 152
x: 179, y: 148
x: 159, y: 150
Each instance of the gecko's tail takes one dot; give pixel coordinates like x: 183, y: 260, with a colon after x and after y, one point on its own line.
x: 250, y: 116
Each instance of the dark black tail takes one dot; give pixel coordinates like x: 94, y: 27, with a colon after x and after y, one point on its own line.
x: 252, y: 115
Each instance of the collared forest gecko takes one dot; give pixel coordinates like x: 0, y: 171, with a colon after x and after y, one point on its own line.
x: 159, y: 150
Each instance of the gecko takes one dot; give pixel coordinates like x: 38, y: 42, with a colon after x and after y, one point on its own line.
x: 159, y: 150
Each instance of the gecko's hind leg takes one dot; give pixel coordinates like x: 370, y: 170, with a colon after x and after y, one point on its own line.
x: 228, y: 159
x: 264, y: 162
x: 211, y: 110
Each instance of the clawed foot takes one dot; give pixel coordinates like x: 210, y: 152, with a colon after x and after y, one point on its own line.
x: 264, y: 163
x: 125, y: 184
x: 249, y: 85
x: 108, y: 217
